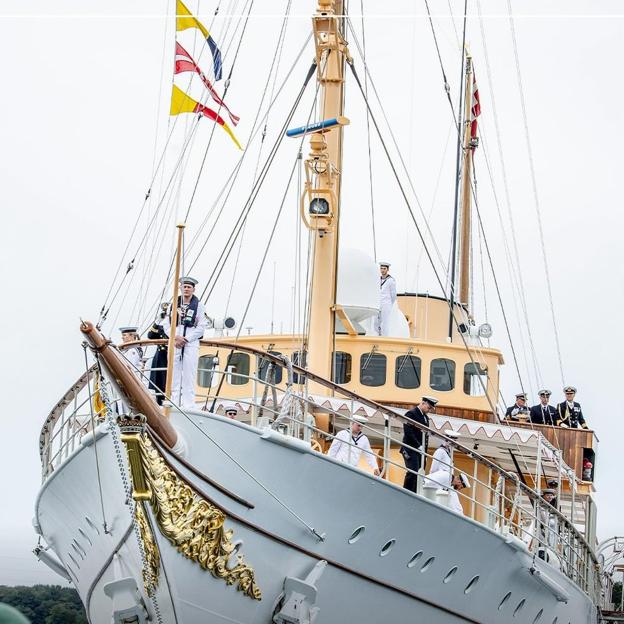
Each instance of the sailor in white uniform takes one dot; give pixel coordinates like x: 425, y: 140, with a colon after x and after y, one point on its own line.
x: 133, y: 355
x: 387, y: 297
x: 191, y: 325
x: 442, y: 479
x: 349, y: 444
x: 443, y: 458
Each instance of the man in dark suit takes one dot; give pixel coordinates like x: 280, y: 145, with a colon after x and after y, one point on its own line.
x: 542, y: 413
x: 414, y: 438
x: 519, y: 410
x: 569, y: 413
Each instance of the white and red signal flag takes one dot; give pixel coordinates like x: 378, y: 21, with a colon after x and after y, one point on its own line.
x: 475, y: 108
x: 184, y: 63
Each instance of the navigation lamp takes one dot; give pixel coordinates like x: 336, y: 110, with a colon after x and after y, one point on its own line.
x: 229, y: 323
x: 485, y: 330
x: 319, y: 206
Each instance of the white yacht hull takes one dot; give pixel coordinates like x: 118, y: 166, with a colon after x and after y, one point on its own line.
x: 292, y: 488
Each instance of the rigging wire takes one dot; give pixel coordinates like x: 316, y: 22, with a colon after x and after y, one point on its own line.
x: 368, y: 140
x: 534, y: 187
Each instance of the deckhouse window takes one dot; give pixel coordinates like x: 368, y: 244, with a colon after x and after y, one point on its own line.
x: 205, y: 370
x: 407, y: 371
x: 442, y: 375
x: 238, y: 363
x: 267, y: 365
x: 475, y: 379
x: 373, y: 369
x: 341, y: 367
x: 298, y: 360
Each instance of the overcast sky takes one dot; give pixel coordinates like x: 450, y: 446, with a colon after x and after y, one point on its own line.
x: 84, y: 120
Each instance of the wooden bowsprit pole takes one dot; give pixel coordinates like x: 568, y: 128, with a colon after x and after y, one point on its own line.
x: 174, y: 319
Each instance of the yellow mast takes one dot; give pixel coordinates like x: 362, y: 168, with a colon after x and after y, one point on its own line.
x: 321, y: 197
x: 464, y: 247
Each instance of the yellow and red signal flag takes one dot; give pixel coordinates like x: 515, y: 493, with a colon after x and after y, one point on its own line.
x: 185, y: 19
x: 183, y: 103
x: 184, y: 63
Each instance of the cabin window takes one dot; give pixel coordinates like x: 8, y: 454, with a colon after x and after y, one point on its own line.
x: 442, y: 375
x: 373, y: 369
x: 475, y: 379
x: 407, y: 371
x: 205, y: 370
x: 238, y: 363
x: 341, y: 367
x: 265, y: 365
x: 298, y: 360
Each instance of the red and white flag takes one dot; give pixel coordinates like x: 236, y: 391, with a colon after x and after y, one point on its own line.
x: 184, y: 63
x: 475, y: 108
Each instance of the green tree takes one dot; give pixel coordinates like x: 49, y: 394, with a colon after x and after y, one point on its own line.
x: 61, y: 614
x: 45, y: 604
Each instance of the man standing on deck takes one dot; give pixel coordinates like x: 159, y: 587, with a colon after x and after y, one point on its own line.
x: 387, y: 297
x: 158, y: 372
x: 133, y: 355
x: 518, y: 411
x: 191, y: 325
x: 542, y: 413
x: 569, y: 413
x: 348, y: 445
x: 413, y: 437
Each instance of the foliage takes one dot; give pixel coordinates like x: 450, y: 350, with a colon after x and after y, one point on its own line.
x: 45, y: 604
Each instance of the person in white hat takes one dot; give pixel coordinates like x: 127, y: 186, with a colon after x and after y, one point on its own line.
x: 542, y: 413
x: 349, y: 444
x: 191, y: 325
x: 442, y: 457
x: 445, y: 480
x: 415, y: 443
x: 134, y: 355
x: 230, y: 410
x: 387, y: 297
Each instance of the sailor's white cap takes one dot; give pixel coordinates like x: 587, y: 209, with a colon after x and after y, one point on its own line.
x: 384, y: 263
x: 431, y: 400
x: 449, y: 433
x: 360, y: 419
x: 230, y: 407
x: 464, y: 479
x: 189, y: 280
x: 129, y: 329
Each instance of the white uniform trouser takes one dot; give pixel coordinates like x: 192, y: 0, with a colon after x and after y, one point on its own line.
x: 185, y: 375
x: 383, y: 319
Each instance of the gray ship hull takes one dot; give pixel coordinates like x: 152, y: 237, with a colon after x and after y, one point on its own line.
x: 413, y: 561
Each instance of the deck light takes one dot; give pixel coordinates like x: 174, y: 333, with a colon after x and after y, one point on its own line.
x: 319, y: 206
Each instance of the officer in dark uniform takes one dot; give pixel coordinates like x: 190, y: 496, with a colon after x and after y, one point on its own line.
x: 569, y: 412
x: 158, y: 378
x: 542, y: 413
x: 519, y: 409
x: 413, y: 436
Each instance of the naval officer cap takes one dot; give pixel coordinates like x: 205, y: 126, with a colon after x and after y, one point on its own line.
x: 544, y: 393
x: 189, y: 280
x: 549, y: 491
x: 521, y: 395
x: 230, y: 407
x: 569, y: 389
x: 384, y: 264
x: 431, y: 400
x: 128, y: 330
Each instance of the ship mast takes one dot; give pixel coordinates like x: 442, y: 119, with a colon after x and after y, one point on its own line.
x: 469, y: 146
x: 320, y: 202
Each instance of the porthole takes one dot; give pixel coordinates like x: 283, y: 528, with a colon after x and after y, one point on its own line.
x: 427, y: 564
x: 450, y: 574
x: 387, y: 547
x: 519, y: 607
x: 504, y: 600
x: 412, y: 562
x: 473, y: 582
x: 538, y: 617
x: 355, y: 536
